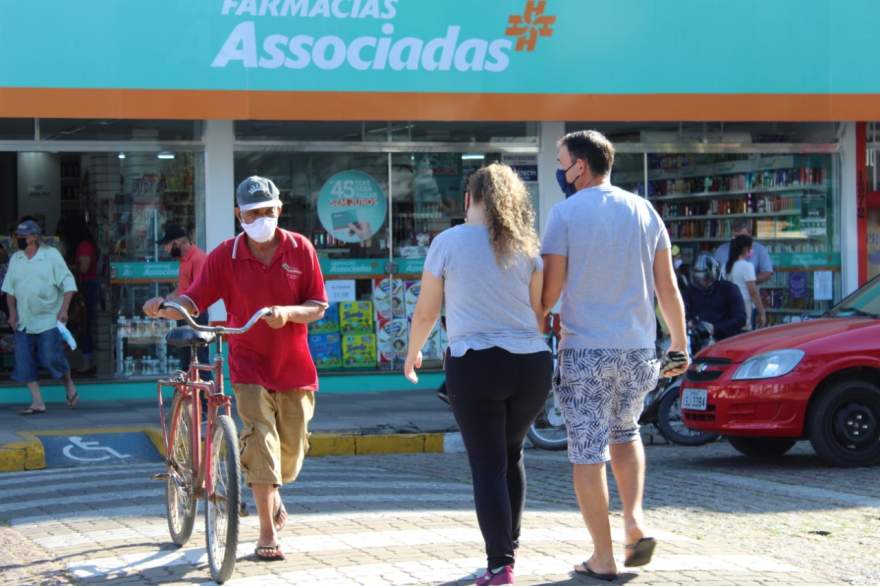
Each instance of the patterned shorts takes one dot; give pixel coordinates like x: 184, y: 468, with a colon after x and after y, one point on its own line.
x: 601, y: 393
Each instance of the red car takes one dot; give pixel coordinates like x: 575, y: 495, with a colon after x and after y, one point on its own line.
x: 816, y: 380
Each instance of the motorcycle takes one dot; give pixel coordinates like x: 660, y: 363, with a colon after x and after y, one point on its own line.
x: 663, y: 404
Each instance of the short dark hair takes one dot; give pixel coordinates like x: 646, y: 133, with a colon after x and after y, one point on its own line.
x: 591, y: 146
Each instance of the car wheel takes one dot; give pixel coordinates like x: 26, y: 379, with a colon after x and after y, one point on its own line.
x: 762, y: 447
x: 844, y: 424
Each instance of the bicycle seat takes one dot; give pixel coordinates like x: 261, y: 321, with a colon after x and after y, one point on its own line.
x: 185, y: 337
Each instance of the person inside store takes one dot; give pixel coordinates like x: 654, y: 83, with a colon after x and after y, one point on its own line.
x: 273, y: 374
x: 607, y: 254
x: 716, y: 303
x: 81, y: 254
x: 498, y: 366
x: 759, y: 257
x: 38, y: 287
x: 741, y: 273
x: 177, y: 244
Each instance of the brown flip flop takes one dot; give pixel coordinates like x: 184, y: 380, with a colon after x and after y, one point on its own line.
x: 584, y: 570
x: 642, y: 551
x: 31, y: 411
x: 269, y: 553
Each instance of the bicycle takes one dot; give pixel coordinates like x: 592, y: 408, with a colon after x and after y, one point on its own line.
x: 206, y: 469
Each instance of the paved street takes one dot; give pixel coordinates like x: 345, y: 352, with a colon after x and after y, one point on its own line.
x: 720, y: 519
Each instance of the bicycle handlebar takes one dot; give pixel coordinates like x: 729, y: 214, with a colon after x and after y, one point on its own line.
x: 260, y: 314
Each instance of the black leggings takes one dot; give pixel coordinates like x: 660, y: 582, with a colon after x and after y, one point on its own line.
x: 495, y: 396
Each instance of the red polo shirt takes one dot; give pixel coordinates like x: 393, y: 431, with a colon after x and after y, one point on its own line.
x: 190, y: 267
x: 276, y: 359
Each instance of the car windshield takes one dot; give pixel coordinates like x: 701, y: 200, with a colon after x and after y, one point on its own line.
x: 865, y: 302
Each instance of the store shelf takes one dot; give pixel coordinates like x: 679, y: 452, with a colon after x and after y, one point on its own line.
x: 728, y: 238
x: 733, y: 216
x: 742, y: 166
x: 739, y: 193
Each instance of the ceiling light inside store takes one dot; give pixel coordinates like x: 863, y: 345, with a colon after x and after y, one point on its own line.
x: 165, y: 155
x: 121, y: 155
x: 473, y: 157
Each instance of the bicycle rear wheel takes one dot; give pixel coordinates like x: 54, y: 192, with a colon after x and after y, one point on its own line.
x: 222, y: 508
x: 180, y: 501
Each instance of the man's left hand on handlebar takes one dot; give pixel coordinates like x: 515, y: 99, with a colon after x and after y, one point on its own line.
x: 276, y: 318
x: 151, y: 307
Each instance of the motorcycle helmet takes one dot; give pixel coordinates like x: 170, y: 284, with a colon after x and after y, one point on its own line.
x: 705, y: 271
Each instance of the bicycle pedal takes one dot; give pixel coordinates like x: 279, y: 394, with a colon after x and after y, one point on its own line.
x: 160, y: 476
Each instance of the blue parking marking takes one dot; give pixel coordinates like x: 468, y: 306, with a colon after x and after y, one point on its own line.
x: 63, y: 451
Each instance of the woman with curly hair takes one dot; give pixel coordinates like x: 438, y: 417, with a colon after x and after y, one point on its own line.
x: 498, y: 366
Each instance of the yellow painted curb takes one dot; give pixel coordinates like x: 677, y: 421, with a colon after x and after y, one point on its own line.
x: 29, y: 454
x: 331, y: 445
x: 390, y: 444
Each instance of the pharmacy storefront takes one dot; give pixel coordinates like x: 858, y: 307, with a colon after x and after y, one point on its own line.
x: 370, y: 114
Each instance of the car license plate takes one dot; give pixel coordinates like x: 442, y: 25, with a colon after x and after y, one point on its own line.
x: 694, y: 399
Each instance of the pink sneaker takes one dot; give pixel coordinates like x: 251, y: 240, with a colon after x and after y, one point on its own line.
x: 502, y: 578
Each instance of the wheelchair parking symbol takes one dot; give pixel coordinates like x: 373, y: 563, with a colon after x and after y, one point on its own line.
x: 80, y: 450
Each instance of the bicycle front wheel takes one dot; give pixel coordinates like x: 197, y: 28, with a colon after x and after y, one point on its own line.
x: 222, y: 507
x: 547, y: 432
x: 180, y: 501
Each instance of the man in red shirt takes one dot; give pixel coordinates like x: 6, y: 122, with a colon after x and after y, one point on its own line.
x: 272, y: 372
x: 177, y: 245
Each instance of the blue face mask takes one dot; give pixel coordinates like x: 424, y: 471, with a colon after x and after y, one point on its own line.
x: 567, y: 188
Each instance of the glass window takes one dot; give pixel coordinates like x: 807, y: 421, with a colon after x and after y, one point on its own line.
x: 111, y: 129
x: 337, y: 200
x: 17, y: 128
x: 787, y: 202
x: 449, y: 132
x: 120, y: 205
x: 268, y: 130
x: 740, y: 133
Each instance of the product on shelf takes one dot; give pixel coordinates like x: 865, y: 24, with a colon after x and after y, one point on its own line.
x: 435, y: 346
x: 326, y: 349
x: 327, y: 324
x: 388, y: 296
x: 411, y: 297
x: 359, y: 350
x: 392, y: 339
x: 356, y: 317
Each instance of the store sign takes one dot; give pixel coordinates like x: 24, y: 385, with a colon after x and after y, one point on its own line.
x: 419, y: 46
x: 805, y: 260
x: 352, y: 207
x: 144, y: 270
x: 370, y: 266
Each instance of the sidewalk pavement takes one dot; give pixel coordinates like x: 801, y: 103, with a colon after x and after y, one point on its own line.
x: 344, y: 424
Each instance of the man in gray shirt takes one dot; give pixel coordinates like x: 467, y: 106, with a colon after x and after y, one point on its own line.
x: 760, y: 257
x: 607, y: 253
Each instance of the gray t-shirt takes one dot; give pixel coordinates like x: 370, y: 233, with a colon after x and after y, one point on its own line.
x: 760, y: 258
x: 610, y: 238
x: 486, y: 305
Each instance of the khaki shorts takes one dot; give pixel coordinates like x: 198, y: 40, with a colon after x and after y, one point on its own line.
x: 275, y: 437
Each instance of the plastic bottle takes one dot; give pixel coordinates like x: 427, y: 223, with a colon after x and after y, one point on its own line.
x: 65, y: 333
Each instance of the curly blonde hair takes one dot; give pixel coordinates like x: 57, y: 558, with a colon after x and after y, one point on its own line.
x: 509, y: 213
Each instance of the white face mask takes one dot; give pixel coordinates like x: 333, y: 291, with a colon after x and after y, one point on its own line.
x: 262, y: 229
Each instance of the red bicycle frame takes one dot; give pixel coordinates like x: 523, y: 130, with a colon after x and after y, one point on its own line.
x: 190, y: 386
